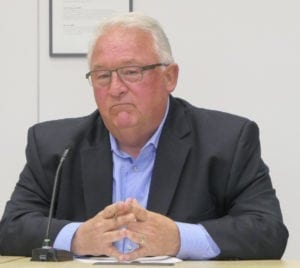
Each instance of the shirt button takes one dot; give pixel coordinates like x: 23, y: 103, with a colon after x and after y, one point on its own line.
x: 129, y: 247
x: 135, y: 168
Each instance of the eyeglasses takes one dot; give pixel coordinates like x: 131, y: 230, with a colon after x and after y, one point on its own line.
x: 127, y: 74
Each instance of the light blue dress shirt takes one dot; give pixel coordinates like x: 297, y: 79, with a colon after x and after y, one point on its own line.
x: 131, y: 178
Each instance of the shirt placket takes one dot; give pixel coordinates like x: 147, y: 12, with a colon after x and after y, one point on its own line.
x: 131, y: 169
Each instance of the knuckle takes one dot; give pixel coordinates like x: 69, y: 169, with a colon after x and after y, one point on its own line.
x: 98, y: 225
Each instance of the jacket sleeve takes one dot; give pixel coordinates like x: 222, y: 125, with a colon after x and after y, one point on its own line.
x: 24, y: 222
x: 252, y: 225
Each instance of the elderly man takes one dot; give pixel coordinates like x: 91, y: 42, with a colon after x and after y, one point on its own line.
x: 148, y: 174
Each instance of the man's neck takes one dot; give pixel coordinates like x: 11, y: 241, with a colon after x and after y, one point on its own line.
x: 131, y: 141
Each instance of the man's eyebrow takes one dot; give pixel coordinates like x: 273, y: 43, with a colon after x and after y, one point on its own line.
x: 98, y: 67
x: 124, y: 64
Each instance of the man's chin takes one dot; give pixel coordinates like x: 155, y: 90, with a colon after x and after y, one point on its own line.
x: 124, y: 121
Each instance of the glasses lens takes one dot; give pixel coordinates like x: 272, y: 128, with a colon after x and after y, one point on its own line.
x: 101, y: 78
x: 130, y: 74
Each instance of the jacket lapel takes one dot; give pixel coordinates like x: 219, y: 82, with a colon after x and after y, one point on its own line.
x: 171, y: 154
x: 96, y: 164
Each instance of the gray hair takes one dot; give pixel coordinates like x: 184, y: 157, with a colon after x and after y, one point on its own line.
x: 142, y: 22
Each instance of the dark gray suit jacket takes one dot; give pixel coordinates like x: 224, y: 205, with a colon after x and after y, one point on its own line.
x: 208, y: 170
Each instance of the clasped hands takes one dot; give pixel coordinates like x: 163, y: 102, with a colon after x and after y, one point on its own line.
x: 156, y: 234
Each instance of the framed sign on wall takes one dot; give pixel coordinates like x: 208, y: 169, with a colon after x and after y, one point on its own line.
x: 72, y: 23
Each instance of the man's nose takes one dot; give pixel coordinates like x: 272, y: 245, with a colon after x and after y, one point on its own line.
x: 117, y: 86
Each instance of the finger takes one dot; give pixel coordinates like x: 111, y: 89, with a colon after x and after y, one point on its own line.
x: 136, y: 237
x: 113, y: 236
x: 113, y: 210
x: 139, y: 212
x: 120, y: 221
x: 109, y: 211
x: 112, y: 251
x: 133, y: 255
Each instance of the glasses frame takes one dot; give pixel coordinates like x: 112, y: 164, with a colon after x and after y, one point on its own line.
x: 142, y: 69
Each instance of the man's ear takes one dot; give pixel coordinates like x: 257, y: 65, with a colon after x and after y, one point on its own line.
x: 171, y: 76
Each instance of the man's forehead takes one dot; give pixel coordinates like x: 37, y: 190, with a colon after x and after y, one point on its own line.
x: 125, y: 31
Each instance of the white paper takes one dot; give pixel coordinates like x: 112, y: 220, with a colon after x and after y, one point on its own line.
x: 145, y: 260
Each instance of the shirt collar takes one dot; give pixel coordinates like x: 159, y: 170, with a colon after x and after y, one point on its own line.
x: 153, y: 140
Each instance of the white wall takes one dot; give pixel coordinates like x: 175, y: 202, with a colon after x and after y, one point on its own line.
x: 236, y: 55
x: 18, y: 87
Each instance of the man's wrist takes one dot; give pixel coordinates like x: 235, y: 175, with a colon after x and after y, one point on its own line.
x: 64, y: 238
x: 195, y: 242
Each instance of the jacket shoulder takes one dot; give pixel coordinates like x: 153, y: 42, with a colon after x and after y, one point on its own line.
x: 58, y: 134
x: 211, y: 119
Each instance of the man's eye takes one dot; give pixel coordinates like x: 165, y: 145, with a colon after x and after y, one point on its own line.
x: 102, y: 76
x: 130, y: 72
